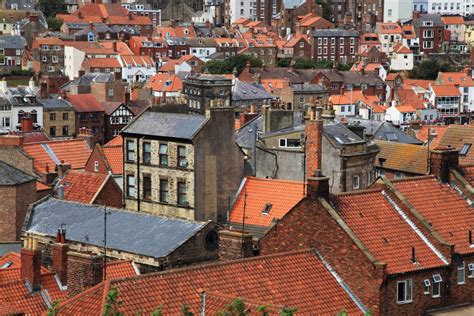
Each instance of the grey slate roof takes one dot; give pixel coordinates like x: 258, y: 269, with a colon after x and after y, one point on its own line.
x: 87, y: 79
x: 435, y: 18
x: 384, y: 131
x: 12, y: 42
x: 55, y: 104
x: 12, y: 176
x: 167, y: 125
x: 20, y: 4
x: 249, y: 91
x: 308, y: 87
x: 335, y: 32
x: 340, y: 134
x: 132, y: 232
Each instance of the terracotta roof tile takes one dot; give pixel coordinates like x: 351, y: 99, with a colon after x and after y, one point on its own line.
x: 456, y: 20
x: 85, y: 103
x: 442, y: 207
x: 82, y: 186
x: 114, y: 156
x: 120, y: 269
x: 425, y: 84
x: 402, y: 157
x: 164, y: 82
x: 456, y: 136
x: 117, y: 140
x: 125, y: 20
x: 74, y: 151
x: 277, y: 280
x: 460, y: 78
x: 104, y: 63
x: 446, y: 90
x: 41, y: 186
x: 282, y: 195
x: 437, y: 133
x: 389, y: 28
x: 384, y: 232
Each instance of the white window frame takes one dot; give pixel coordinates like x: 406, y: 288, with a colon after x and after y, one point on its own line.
x: 461, y: 272
x: 470, y: 267
x: 436, y: 285
x: 96, y: 166
x: 356, y: 182
x: 426, y: 286
x: 408, y: 291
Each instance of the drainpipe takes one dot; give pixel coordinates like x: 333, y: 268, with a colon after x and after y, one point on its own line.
x: 138, y: 174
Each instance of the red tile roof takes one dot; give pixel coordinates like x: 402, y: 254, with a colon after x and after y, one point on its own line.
x: 283, y: 195
x: 384, y: 232
x: 82, y: 186
x: 456, y: 136
x: 437, y: 133
x: 120, y: 269
x: 103, y: 63
x: 125, y: 20
x: 41, y: 186
x: 117, y: 140
x: 446, y: 90
x: 73, y: 151
x: 278, y: 280
x: 453, y: 20
x: 442, y: 207
x: 114, y: 156
x: 85, y: 103
x: 389, y: 28
x: 34, y: 137
x: 460, y: 78
x: 425, y: 84
x: 401, y: 49
x: 164, y: 82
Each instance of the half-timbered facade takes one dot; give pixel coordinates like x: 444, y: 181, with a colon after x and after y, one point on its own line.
x: 117, y: 116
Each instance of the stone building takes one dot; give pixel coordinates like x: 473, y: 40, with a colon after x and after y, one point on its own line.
x: 182, y: 165
x: 152, y: 242
x: 58, y: 118
x: 17, y: 190
x: 205, y: 91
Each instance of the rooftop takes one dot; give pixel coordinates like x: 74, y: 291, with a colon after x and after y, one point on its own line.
x: 459, y: 137
x: 402, y: 157
x: 82, y: 186
x: 12, y: 176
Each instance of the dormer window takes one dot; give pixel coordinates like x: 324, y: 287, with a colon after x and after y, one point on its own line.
x: 428, y: 23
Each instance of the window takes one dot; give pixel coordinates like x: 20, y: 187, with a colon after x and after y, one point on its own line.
x: 267, y: 208
x: 130, y: 150
x: 471, y: 270
x: 96, y: 166
x: 111, y: 92
x: 333, y: 41
x: 343, y: 108
x: 52, y: 131
x: 52, y: 116
x: 54, y: 59
x: 461, y: 276
x: 65, y: 130
x: 436, y: 285
x: 325, y: 41
x: 130, y: 186
x: 146, y: 153
x: 290, y: 143
x: 320, y: 41
x: 163, y: 191
x: 404, y: 292
x: 399, y: 175
x: 464, y: 150
x: 44, y: 59
x: 426, y: 286
x: 163, y: 154
x: 147, y: 187
x: 352, y: 40
x: 65, y: 116
x: 182, y: 162
x: 341, y: 41
x: 182, y: 196
x: 355, y: 182
x: 50, y: 69
x: 390, y: 12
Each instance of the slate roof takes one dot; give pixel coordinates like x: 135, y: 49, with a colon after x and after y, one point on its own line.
x: 335, y: 33
x: 402, y: 157
x: 435, y: 18
x: 442, y: 207
x: 456, y: 136
x: 12, y: 42
x: 12, y: 176
x: 242, y: 91
x: 132, y: 232
x: 169, y: 125
x: 386, y: 234
x: 384, y: 131
x: 52, y: 104
x: 340, y: 134
x: 281, y: 195
x: 301, y: 279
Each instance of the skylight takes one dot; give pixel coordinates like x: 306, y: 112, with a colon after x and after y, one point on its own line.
x: 391, y: 137
x: 266, y: 209
x: 7, y: 264
x: 465, y: 148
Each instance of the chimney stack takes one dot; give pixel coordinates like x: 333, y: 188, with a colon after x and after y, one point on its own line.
x: 314, y: 142
x: 26, y: 124
x: 86, y: 134
x: 31, y: 263
x: 60, y: 250
x: 3, y: 85
x: 84, y: 270
x: 441, y: 160
x: 234, y: 245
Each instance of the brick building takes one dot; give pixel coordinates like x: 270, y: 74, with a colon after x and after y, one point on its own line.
x: 48, y: 55
x: 172, y: 169
x: 337, y: 45
x: 429, y: 28
x: 89, y: 114
x: 12, y: 48
x: 107, y: 159
x: 17, y: 190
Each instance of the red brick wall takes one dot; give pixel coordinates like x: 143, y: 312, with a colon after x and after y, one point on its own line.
x: 309, y: 225
x: 31, y: 267
x: 84, y: 271
x: 60, y: 261
x: 111, y: 195
x: 95, y: 156
x: 462, y: 293
x: 314, y: 145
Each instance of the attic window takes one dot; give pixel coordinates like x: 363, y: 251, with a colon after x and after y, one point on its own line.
x: 391, y: 137
x: 465, y: 148
x: 7, y: 265
x: 168, y: 83
x: 266, y: 209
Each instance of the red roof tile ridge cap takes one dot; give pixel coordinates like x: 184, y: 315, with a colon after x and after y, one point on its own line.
x: 104, y: 182
x: 11, y: 253
x: 366, y: 191
x: 275, y: 180
x: 215, y: 264
x: 104, y: 296
x: 118, y: 262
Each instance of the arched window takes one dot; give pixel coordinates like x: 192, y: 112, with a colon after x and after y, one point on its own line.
x: 34, y: 116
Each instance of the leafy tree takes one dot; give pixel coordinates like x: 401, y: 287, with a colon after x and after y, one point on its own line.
x: 186, y: 311
x: 51, y: 7
x: 158, y: 311
x: 288, y: 311
x: 228, y: 65
x: 327, y: 11
x: 112, y: 304
x: 284, y: 63
x: 429, y: 68
x: 263, y: 310
x: 54, y: 24
x: 235, y: 308
x: 53, y: 310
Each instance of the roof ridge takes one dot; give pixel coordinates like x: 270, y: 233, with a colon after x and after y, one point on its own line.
x: 275, y: 180
x: 415, y: 178
x: 215, y: 264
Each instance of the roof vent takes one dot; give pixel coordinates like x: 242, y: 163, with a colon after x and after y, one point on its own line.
x: 267, y: 208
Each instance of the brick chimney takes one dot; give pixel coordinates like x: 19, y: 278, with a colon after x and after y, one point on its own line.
x: 63, y: 168
x: 268, y: 12
x: 314, y: 142
x: 246, y: 116
x: 441, y: 160
x: 26, y: 124
x: 309, y: 6
x: 84, y: 270
x: 86, y: 134
x: 234, y: 245
x: 11, y: 139
x: 60, y: 250
x: 31, y: 263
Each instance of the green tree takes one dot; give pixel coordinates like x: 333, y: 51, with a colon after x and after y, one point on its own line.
x: 158, y: 311
x: 235, y: 308
x: 112, y: 304
x: 51, y: 7
x: 186, y: 311
x: 284, y: 63
x: 428, y: 69
x: 288, y: 311
x: 53, y: 310
x: 54, y: 24
x: 228, y: 65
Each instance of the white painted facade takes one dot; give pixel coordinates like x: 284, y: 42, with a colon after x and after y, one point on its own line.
x: 393, y: 115
x: 136, y: 69
x: 397, y: 10
x: 203, y: 53
x: 73, y: 59
x: 451, y: 7
x: 401, y: 61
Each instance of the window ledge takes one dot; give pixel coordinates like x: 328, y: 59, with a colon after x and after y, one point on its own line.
x: 404, y: 302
